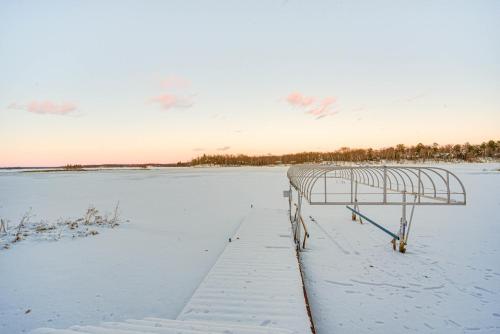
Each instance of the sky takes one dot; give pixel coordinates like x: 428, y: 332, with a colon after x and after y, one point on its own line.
x: 86, y: 82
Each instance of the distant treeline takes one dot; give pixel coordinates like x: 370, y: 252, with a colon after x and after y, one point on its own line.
x: 145, y: 165
x: 77, y: 167
x: 417, y: 153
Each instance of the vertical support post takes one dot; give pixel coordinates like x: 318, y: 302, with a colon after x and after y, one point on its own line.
x: 3, y: 227
x: 411, y: 219
x: 325, y: 187
x: 402, y: 229
x: 385, y: 184
x: 353, y: 215
x: 352, y: 180
x: 356, y: 192
x: 448, y: 186
x: 297, y: 226
x: 419, y: 180
x: 356, y: 206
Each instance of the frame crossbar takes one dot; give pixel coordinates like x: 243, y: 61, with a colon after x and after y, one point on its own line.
x: 374, y: 223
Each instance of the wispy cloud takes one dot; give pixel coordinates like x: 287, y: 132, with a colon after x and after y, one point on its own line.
x: 175, y: 96
x: 298, y: 100
x: 323, y: 108
x: 318, y: 107
x: 198, y: 149
x: 225, y: 148
x: 45, y: 107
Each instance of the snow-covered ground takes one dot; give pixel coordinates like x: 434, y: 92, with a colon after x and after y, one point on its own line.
x: 180, y: 221
x: 447, y: 282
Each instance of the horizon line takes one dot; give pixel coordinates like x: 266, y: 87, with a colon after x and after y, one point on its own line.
x: 185, y: 163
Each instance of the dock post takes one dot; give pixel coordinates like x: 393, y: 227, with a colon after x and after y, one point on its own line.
x: 299, y: 217
x: 402, y: 229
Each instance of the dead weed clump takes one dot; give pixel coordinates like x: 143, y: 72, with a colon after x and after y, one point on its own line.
x: 85, y: 226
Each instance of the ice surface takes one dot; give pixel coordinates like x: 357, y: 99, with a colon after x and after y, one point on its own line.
x: 180, y: 219
x: 447, y: 282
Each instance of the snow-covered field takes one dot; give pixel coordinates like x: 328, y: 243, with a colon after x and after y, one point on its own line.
x: 180, y: 221
x: 447, y: 282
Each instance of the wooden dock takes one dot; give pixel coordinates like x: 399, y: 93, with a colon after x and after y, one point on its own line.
x: 254, y: 287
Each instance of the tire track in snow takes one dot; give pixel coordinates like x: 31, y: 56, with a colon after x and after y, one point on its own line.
x: 379, y: 284
x: 332, y: 239
x: 338, y: 283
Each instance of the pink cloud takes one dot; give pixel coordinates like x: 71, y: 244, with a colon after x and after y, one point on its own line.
x: 298, y: 100
x: 46, y: 107
x: 323, y: 108
x: 174, y: 97
x: 313, y: 106
x: 170, y: 101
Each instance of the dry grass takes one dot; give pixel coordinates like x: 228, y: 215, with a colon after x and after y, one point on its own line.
x: 85, y: 226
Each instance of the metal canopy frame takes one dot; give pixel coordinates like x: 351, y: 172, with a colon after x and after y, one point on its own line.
x: 373, y: 185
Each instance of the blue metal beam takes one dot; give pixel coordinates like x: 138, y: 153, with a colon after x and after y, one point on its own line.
x: 374, y: 223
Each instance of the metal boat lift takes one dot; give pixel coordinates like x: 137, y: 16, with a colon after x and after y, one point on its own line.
x: 354, y: 186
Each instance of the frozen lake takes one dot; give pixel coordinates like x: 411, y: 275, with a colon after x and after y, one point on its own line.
x: 180, y: 220
x: 447, y: 282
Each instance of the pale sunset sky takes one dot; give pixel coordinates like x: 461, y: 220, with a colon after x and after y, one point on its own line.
x: 163, y: 81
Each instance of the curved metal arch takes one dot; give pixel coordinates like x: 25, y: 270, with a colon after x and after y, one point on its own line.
x: 378, y: 170
x: 420, y: 184
x: 430, y: 180
x: 316, y: 174
x: 379, y: 173
x: 365, y: 172
x: 389, y: 179
x: 395, y: 179
x: 409, y: 178
x: 446, y: 184
x: 464, y: 193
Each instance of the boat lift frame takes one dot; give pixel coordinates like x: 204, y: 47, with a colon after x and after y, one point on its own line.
x: 382, y: 185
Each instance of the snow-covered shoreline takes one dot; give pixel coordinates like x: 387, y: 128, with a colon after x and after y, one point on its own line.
x: 180, y: 219
x: 447, y: 282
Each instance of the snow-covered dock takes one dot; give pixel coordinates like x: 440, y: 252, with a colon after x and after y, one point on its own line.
x: 254, y: 287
